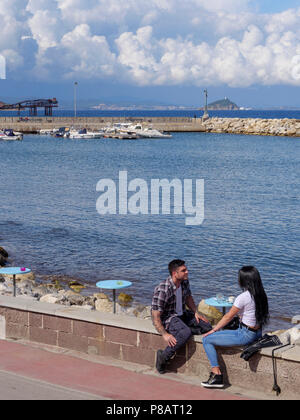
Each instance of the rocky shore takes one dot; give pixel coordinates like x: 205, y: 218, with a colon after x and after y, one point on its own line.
x: 63, y: 290
x: 254, y: 126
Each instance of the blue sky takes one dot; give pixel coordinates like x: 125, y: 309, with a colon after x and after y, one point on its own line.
x: 164, y: 51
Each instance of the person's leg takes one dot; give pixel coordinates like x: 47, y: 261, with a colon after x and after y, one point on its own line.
x: 182, y: 333
x: 225, y: 338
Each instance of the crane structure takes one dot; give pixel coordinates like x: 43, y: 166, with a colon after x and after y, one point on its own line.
x: 32, y: 105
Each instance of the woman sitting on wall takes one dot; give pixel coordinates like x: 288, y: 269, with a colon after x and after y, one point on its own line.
x: 253, y: 310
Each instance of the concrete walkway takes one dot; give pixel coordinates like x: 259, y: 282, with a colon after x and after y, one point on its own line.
x: 32, y: 373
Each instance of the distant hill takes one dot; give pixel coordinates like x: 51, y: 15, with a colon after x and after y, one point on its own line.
x: 222, y: 105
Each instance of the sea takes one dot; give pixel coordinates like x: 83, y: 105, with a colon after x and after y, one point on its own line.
x: 49, y: 220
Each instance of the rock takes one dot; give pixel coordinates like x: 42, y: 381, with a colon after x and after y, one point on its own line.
x: 76, y: 286
x: 3, y: 253
x: 124, y: 299
x: 103, y: 304
x: 49, y: 299
x: 211, y: 313
x: 142, y: 311
x: 72, y: 297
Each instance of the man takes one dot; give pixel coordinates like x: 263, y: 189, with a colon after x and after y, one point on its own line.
x: 169, y: 314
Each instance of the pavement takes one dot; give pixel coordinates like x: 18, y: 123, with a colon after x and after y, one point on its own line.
x: 32, y: 372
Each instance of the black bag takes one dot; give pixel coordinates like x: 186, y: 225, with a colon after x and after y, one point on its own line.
x: 265, y: 341
x: 234, y: 324
x: 199, y: 328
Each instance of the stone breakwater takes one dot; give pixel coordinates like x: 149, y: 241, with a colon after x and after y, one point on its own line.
x: 276, y: 127
x: 248, y: 126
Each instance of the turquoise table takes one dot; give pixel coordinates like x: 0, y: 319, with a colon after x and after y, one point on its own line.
x: 219, y: 303
x: 14, y: 271
x: 113, y: 285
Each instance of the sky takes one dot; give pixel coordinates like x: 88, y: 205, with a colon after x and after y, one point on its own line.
x: 158, y: 51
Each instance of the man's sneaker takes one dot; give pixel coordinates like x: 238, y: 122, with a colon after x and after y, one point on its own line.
x: 160, y: 362
x: 214, y: 381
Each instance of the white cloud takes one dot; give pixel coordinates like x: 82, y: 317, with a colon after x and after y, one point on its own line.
x: 151, y: 42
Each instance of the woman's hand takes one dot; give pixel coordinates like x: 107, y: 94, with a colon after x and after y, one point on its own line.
x: 208, y: 333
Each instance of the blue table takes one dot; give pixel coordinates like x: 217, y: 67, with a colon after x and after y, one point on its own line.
x: 218, y: 303
x: 14, y: 271
x: 114, y: 285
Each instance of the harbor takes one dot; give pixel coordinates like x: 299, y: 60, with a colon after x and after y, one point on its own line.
x: 248, y: 126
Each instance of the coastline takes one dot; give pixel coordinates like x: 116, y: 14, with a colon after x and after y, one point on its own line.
x: 67, y: 290
x: 246, y: 126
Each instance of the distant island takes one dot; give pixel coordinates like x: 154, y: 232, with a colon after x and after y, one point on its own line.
x: 142, y: 107
x: 222, y: 105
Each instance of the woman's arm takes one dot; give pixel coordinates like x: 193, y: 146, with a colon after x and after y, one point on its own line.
x: 224, y: 321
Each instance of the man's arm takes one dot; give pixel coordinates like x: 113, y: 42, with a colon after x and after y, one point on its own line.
x: 169, y: 338
x: 192, y: 306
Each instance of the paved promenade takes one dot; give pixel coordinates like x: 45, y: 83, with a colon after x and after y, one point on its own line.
x: 33, y: 373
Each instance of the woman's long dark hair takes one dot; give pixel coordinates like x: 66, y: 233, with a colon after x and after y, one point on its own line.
x: 250, y: 280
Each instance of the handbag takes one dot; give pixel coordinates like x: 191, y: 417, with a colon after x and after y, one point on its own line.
x: 199, y: 328
x: 234, y: 324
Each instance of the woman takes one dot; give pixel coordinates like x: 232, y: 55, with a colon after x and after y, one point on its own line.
x: 253, y: 309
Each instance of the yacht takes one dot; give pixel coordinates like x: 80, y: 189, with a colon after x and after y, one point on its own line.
x: 149, y: 132
x: 84, y: 134
x: 9, y: 135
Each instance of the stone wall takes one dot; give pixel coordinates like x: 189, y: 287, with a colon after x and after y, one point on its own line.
x: 250, y: 126
x: 135, y: 340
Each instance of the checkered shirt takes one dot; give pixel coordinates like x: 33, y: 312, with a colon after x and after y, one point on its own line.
x: 164, y: 299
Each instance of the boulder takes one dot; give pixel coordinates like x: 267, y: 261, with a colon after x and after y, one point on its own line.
x: 72, y: 298
x: 3, y: 256
x: 211, y: 313
x: 142, y: 311
x: 49, y: 298
x: 3, y: 252
x: 124, y: 299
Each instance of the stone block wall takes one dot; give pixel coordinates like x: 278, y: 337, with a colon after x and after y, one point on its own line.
x: 135, y: 340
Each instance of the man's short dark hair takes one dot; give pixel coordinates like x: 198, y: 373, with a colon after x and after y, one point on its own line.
x: 173, y: 265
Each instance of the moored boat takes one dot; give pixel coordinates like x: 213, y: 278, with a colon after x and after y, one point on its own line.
x: 10, y: 135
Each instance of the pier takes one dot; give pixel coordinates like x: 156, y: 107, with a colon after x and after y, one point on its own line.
x: 247, y: 126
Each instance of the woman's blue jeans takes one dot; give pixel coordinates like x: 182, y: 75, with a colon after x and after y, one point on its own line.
x: 228, y: 338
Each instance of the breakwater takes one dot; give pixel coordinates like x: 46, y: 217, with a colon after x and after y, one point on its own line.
x: 250, y: 126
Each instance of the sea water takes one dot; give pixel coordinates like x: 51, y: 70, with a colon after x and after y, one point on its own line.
x: 49, y: 221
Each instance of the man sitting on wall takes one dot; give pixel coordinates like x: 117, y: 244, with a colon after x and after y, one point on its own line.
x: 169, y: 314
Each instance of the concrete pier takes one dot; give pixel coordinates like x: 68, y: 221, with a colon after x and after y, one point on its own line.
x: 249, y: 126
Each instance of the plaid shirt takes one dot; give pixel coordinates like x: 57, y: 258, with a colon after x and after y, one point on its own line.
x: 164, y: 299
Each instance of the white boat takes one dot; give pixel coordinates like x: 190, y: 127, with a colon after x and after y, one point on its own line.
x: 149, y: 132
x: 84, y: 134
x: 46, y: 131
x: 10, y: 135
x: 127, y: 135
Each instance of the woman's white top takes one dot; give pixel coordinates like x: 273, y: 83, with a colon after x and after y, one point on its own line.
x: 246, y: 304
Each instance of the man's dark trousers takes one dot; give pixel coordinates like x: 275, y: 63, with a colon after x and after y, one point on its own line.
x: 181, y: 331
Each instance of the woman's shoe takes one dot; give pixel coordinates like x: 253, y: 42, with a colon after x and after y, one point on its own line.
x: 214, y: 381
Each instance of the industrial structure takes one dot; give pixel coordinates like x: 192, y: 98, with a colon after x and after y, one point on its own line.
x: 32, y: 105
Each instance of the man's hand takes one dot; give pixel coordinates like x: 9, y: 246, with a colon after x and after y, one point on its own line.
x: 200, y: 317
x: 170, y: 339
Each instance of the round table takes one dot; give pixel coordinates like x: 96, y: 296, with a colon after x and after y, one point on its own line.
x: 14, y: 271
x: 114, y: 285
x: 218, y: 303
